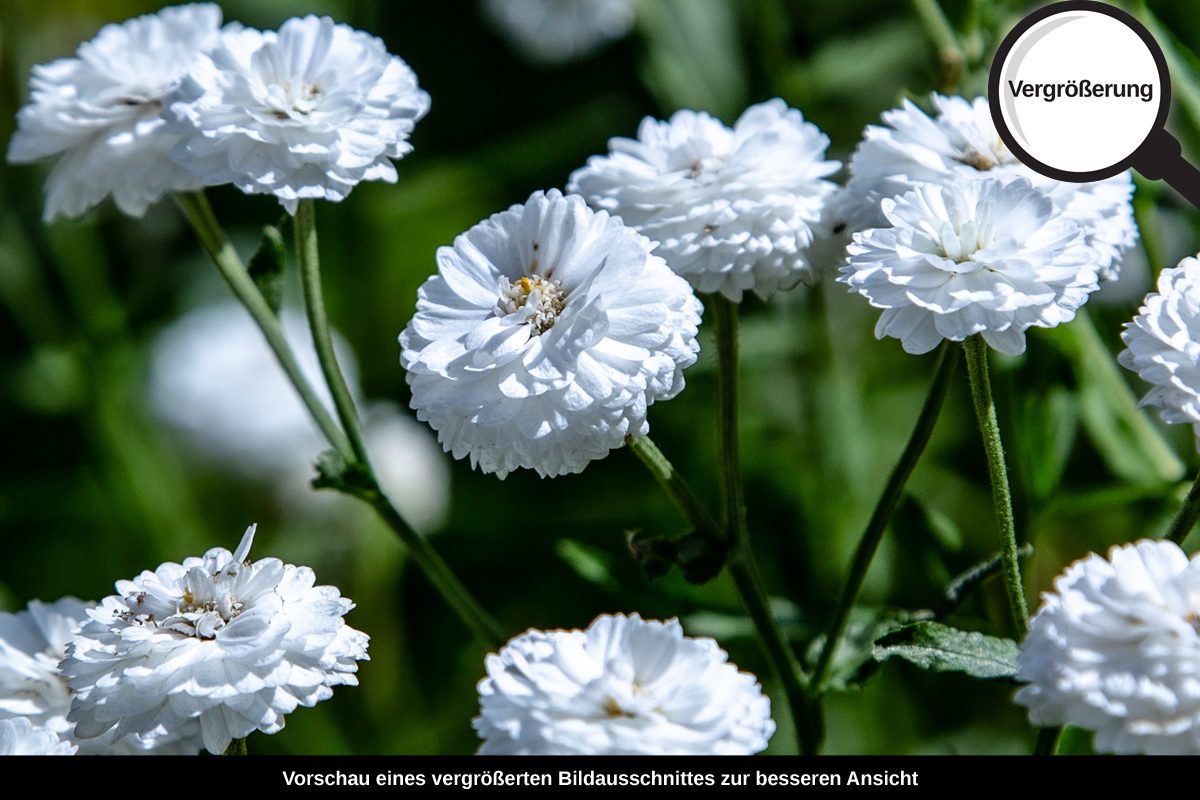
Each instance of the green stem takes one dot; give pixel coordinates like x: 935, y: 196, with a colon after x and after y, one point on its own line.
x: 439, y: 574
x: 200, y: 214
x: 742, y: 566
x: 676, y: 486
x: 947, y: 361
x: 237, y: 747
x: 444, y: 581
x: 314, y: 303
x: 985, y: 410
x: 1047, y: 741
x: 1185, y: 520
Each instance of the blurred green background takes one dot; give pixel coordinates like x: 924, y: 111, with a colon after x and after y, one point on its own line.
x: 94, y: 489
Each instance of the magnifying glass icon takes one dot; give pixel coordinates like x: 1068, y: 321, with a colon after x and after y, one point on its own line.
x: 1080, y: 93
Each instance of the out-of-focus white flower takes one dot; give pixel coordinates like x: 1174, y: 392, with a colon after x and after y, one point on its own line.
x: 19, y: 737
x: 1163, y: 344
x: 546, y: 333
x: 962, y: 144
x: 625, y: 686
x: 100, y: 112
x: 32, y: 642
x: 410, y: 467
x: 234, y: 644
x: 1115, y: 649
x: 214, y: 378
x: 990, y: 257
x: 731, y: 209
x: 307, y: 112
x: 554, y: 31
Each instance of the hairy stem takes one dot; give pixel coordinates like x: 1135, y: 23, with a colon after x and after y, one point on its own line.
x: 742, y: 566
x: 200, y: 214
x: 1185, y: 520
x: 676, y: 486
x: 985, y: 410
x: 314, y: 303
x: 947, y: 361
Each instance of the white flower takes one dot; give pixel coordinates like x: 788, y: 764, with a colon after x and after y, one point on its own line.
x: 731, y: 209
x: 962, y: 143
x: 554, y: 31
x: 100, y: 112
x: 624, y: 686
x: 234, y: 644
x: 984, y: 257
x: 19, y: 737
x: 1163, y: 344
x: 32, y: 643
x: 546, y: 333
x: 1115, y: 649
x: 214, y: 378
x: 307, y: 112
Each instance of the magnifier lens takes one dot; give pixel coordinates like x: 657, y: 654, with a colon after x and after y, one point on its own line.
x: 1080, y: 91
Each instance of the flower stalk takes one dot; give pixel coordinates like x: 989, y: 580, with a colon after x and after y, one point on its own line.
x: 1188, y: 514
x: 742, y: 566
x: 948, y: 359
x: 350, y: 447
x: 985, y: 410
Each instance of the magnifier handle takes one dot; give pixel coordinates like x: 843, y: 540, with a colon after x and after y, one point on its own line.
x: 1160, y: 158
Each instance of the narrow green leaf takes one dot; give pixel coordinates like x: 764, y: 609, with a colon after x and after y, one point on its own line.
x: 590, y: 563
x: 266, y: 267
x: 940, y: 648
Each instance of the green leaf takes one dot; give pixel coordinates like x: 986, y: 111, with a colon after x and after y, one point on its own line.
x: 590, y: 563
x: 1126, y: 438
x: 694, y: 58
x: 334, y: 472
x: 940, y: 648
x: 1046, y: 424
x: 266, y: 266
x: 855, y: 659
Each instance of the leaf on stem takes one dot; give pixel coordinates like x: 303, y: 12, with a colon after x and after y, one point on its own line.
x: 334, y: 472
x: 590, y: 563
x: 855, y: 659
x: 266, y: 267
x: 940, y: 648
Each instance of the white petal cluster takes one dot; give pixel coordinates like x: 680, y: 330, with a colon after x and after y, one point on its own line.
x: 1163, y: 343
x: 555, y: 31
x: 732, y: 209
x: 32, y: 643
x: 100, y: 112
x: 214, y: 379
x: 19, y: 737
x: 1115, y: 649
x: 625, y: 686
x: 307, y: 112
x: 231, y: 643
x: 962, y: 144
x: 990, y: 257
x: 546, y: 333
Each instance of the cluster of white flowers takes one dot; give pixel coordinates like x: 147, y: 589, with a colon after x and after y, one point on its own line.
x: 1115, y: 649
x: 987, y: 258
x: 32, y: 643
x: 732, y: 210
x: 555, y: 31
x: 231, y: 644
x: 547, y: 332
x: 625, y: 686
x: 214, y: 379
x: 1163, y: 344
x: 172, y: 101
x: 19, y: 737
